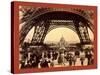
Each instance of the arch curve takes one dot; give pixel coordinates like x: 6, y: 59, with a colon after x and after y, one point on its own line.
x: 46, y: 14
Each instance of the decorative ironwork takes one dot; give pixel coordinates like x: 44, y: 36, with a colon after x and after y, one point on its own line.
x: 46, y: 19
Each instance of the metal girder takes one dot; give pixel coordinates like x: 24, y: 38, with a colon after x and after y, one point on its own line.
x: 40, y: 32
x: 82, y: 32
x: 41, y: 11
x: 61, y: 23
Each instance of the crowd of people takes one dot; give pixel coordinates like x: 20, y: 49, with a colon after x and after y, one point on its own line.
x: 43, y: 59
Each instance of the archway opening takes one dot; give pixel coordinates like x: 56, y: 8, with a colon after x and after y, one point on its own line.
x: 56, y: 34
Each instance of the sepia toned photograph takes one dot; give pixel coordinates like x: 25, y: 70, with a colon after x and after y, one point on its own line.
x: 55, y: 37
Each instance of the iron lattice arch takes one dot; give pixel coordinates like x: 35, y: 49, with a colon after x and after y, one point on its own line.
x: 46, y: 19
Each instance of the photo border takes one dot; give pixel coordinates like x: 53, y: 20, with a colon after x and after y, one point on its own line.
x: 15, y: 36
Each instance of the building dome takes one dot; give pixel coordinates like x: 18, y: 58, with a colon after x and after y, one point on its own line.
x: 62, y: 43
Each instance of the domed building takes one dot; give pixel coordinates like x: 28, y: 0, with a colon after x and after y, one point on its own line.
x: 62, y: 44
